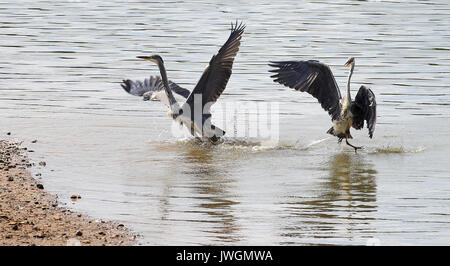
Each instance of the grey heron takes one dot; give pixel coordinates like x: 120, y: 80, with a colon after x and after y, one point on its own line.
x: 316, y: 78
x: 208, y: 89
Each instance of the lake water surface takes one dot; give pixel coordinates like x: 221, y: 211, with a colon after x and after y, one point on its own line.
x: 61, y: 63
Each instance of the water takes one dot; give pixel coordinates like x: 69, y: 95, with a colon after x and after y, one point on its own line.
x: 61, y: 64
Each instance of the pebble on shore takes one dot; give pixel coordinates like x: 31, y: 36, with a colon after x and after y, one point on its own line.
x: 30, y: 216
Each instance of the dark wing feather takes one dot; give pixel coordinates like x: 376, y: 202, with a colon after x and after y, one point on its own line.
x: 153, y: 84
x: 364, y: 107
x: 215, y: 77
x: 312, y: 77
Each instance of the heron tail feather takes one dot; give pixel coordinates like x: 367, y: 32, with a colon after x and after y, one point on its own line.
x: 331, y: 131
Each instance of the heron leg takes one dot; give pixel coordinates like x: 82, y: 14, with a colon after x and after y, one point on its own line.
x: 354, y: 147
x: 340, y: 140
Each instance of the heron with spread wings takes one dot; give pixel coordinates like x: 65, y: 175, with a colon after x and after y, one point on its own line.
x: 316, y: 78
x: 194, y: 113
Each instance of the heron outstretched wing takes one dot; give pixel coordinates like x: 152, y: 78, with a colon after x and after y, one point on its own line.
x: 215, y: 77
x: 312, y: 77
x: 151, y: 85
x: 364, y: 108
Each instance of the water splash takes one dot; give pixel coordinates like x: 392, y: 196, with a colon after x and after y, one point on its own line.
x: 390, y: 149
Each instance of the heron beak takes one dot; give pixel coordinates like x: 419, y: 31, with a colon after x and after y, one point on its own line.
x: 349, y: 62
x: 147, y: 58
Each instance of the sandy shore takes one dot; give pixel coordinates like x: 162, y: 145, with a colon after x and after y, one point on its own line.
x: 31, y: 216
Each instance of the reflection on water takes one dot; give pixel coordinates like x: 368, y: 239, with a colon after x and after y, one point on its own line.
x: 351, y: 179
x: 204, y: 173
x: 347, y: 193
x: 61, y: 64
x: 213, y: 186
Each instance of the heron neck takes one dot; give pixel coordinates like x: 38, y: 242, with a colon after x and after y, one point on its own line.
x: 172, y: 100
x: 347, y: 92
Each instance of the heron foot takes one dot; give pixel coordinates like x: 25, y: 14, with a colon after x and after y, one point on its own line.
x: 354, y: 147
x: 214, y: 140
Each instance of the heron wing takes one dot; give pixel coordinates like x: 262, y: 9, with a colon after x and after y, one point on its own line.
x: 312, y: 77
x: 215, y: 77
x: 152, y: 84
x: 364, y: 108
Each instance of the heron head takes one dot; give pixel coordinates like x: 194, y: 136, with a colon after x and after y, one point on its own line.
x: 350, y: 61
x: 154, y: 58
